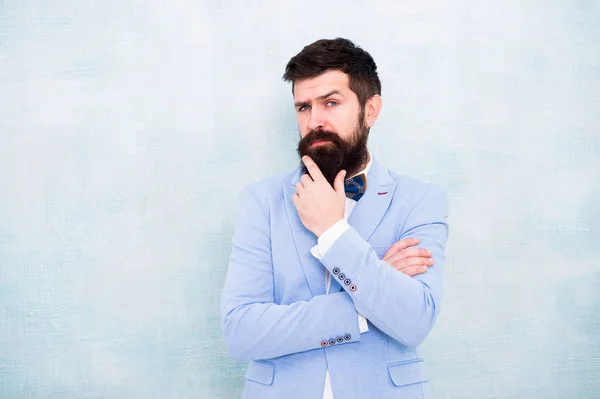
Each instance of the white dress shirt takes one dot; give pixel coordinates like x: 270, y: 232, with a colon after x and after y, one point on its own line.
x: 324, y: 242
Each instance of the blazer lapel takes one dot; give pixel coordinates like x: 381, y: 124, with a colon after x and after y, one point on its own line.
x: 371, y: 208
x: 304, y: 240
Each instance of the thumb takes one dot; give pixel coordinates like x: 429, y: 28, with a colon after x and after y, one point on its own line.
x: 338, y: 183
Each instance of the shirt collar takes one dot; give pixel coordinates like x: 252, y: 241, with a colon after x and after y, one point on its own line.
x: 366, y: 169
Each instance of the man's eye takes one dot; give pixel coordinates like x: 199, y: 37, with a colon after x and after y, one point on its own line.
x: 303, y: 108
x: 332, y: 103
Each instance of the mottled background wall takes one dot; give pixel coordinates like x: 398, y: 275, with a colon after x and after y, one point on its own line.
x: 127, y: 129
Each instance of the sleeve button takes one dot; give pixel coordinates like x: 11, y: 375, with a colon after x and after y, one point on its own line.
x: 324, y: 343
x: 347, y: 337
x: 347, y: 281
x: 352, y: 287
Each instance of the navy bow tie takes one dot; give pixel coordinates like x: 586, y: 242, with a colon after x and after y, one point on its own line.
x: 355, y: 186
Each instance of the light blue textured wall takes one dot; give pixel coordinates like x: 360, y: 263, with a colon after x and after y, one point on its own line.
x: 127, y: 129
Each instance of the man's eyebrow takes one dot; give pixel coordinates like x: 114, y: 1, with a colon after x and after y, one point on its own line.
x: 331, y: 93
x: 324, y: 96
x: 299, y: 104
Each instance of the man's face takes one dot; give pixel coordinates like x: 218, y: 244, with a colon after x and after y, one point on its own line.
x: 331, y: 125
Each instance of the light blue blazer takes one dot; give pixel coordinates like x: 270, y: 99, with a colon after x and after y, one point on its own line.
x: 275, y: 312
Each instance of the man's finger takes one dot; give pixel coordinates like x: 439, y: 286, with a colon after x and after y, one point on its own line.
x: 312, y: 168
x: 338, y: 183
x: 405, y: 262
x: 405, y: 243
x: 295, y: 199
x: 411, y: 252
x: 413, y: 270
x: 306, y: 179
x: 408, y: 253
x: 402, y: 244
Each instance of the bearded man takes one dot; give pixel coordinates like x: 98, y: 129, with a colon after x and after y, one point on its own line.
x: 335, y: 276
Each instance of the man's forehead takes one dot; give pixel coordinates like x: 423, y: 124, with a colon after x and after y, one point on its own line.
x: 309, y: 89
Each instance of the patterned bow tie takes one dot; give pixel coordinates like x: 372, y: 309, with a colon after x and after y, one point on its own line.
x: 355, y: 186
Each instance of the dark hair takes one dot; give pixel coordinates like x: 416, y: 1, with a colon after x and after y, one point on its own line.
x: 336, y: 54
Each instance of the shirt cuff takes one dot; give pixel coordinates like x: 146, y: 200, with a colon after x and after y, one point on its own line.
x: 326, y: 240
x: 362, y: 324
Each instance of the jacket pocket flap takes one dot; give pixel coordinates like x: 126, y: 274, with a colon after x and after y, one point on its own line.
x: 406, y: 373
x: 261, y: 372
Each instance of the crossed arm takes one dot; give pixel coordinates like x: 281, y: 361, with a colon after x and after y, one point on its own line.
x: 405, y: 308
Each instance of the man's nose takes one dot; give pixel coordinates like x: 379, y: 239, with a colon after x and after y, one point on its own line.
x: 316, y: 120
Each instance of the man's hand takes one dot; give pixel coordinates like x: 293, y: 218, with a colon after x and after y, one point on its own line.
x: 410, y: 261
x: 319, y: 206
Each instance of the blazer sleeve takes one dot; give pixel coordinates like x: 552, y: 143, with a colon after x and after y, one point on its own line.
x: 403, y: 307
x: 254, y: 327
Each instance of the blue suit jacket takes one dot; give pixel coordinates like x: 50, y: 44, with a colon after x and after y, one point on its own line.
x: 276, y: 315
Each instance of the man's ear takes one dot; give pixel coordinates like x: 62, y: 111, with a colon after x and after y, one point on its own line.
x: 372, y: 109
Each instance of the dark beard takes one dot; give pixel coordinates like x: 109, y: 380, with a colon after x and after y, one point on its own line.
x: 337, y: 154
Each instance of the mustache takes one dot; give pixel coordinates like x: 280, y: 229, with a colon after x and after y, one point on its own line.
x: 320, y: 134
